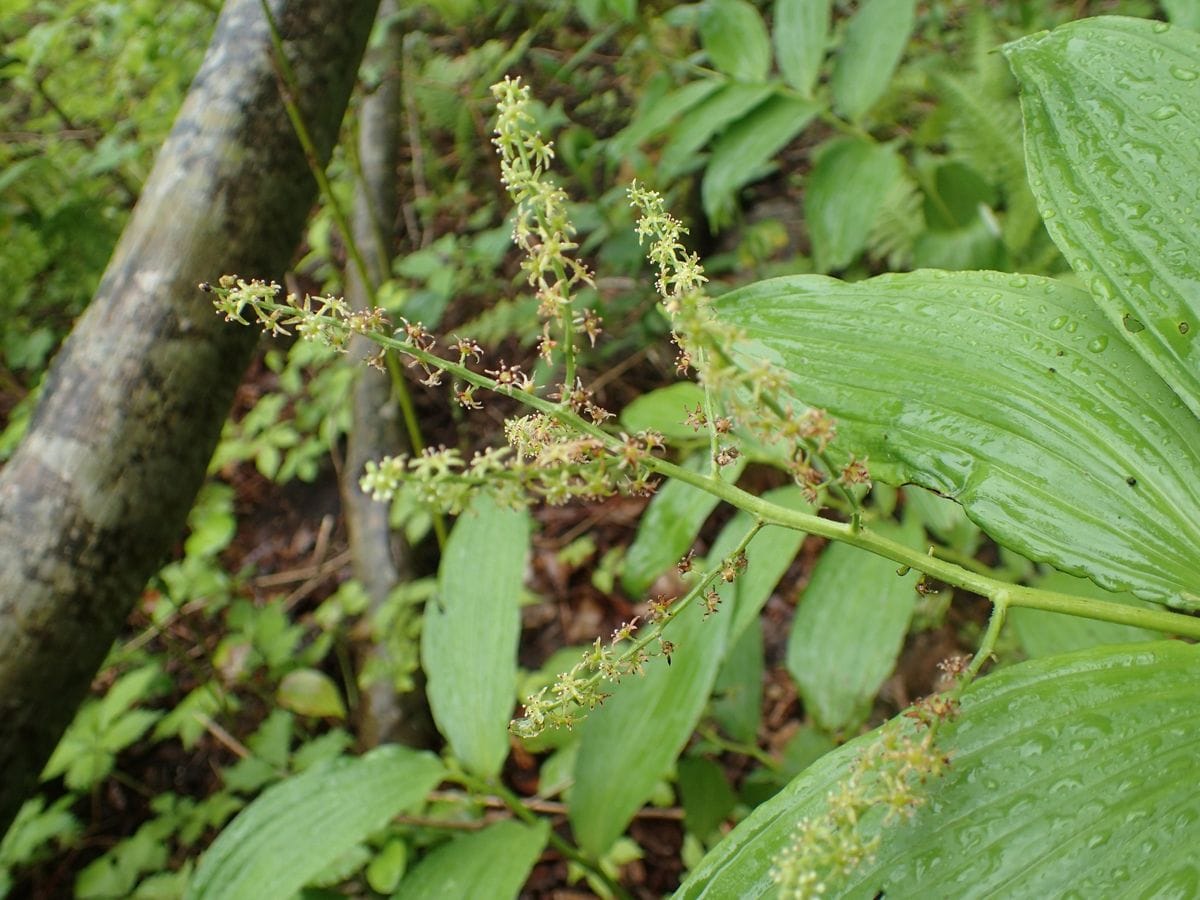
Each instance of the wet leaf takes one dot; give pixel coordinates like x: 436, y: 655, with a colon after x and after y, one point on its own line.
x: 1112, y: 125
x: 1011, y: 394
x: 1048, y: 792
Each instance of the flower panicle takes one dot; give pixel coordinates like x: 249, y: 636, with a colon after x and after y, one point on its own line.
x: 542, y: 228
x: 887, y: 780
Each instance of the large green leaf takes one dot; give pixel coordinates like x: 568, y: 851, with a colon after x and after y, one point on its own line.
x: 735, y: 38
x: 874, y: 42
x: 295, y: 829
x: 469, y: 638
x: 492, y: 863
x: 629, y: 744
x: 800, y: 33
x: 1072, y: 776
x: 1011, y: 394
x: 1112, y: 137
x: 849, y: 628
x: 839, y: 220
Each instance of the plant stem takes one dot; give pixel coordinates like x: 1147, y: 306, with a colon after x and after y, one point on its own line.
x: 863, y: 537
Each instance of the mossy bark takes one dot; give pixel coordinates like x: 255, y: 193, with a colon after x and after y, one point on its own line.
x: 100, y: 488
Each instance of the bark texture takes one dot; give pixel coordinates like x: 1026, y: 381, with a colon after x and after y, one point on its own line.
x: 380, y: 557
x: 133, y: 405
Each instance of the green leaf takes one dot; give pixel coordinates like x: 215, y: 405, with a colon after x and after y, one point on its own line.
x: 703, y: 121
x: 665, y: 411
x: 298, y: 827
x: 849, y: 628
x: 1044, y: 633
x: 1009, y: 393
x: 469, y: 639
x: 707, y: 798
x: 874, y: 43
x: 735, y: 39
x: 670, y: 525
x: 656, y: 116
x: 311, y: 693
x: 1112, y: 120
x: 839, y: 220
x: 741, y: 155
x: 492, y: 863
x: 737, y: 693
x: 801, y: 32
x: 629, y: 743
x: 976, y: 246
x: 1185, y: 13
x: 1048, y: 793
x: 387, y: 868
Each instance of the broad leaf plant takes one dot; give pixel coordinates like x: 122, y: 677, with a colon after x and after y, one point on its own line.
x: 1062, y: 415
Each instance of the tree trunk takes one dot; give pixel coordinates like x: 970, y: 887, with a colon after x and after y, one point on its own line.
x: 99, y: 490
x: 381, y: 557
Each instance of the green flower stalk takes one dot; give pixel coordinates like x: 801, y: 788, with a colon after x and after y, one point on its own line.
x: 542, y: 229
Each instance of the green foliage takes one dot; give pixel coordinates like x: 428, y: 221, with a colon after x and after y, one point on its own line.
x: 848, y: 630
x: 469, y: 640
x: 840, y: 222
x: 77, y: 149
x: 1128, y: 239
x: 801, y: 30
x: 272, y: 848
x: 871, y: 49
x: 1048, y: 778
x: 103, y: 728
x: 1054, y: 400
x: 1050, y: 410
x: 494, y: 862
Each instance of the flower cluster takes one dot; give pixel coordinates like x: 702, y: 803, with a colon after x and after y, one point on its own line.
x: 327, y: 320
x: 542, y: 228
x: 745, y: 394
x: 578, y: 690
x: 886, y: 781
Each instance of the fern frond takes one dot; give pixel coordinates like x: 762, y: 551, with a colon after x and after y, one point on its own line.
x: 898, y: 223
